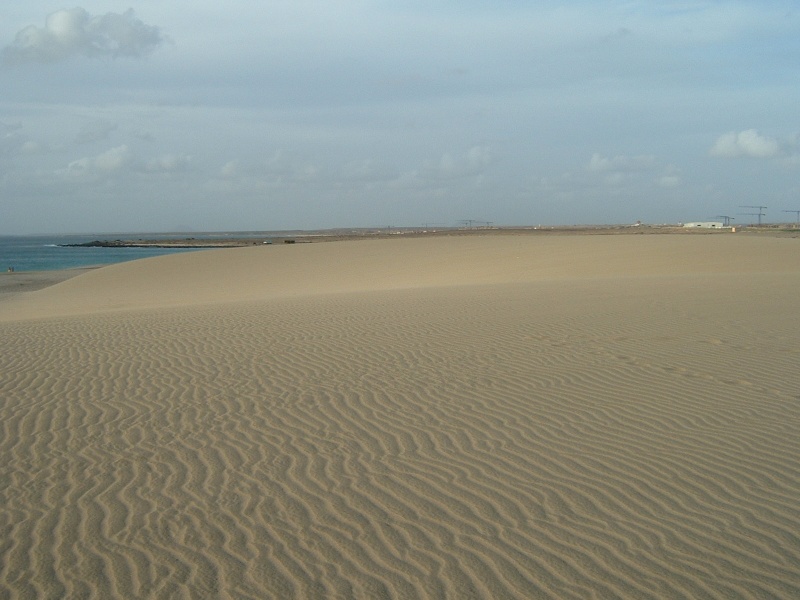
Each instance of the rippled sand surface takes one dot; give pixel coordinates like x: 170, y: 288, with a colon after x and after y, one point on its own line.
x: 520, y: 417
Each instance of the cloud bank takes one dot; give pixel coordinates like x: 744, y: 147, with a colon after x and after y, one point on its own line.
x: 110, y: 161
x: 72, y: 32
x: 747, y: 143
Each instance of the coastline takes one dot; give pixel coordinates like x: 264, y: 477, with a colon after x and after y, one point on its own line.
x: 232, y: 240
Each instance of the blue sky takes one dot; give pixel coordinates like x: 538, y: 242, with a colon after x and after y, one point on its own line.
x: 157, y: 116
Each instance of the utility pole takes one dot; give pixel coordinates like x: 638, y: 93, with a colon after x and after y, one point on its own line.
x: 474, y: 223
x: 797, y: 212
x: 759, y: 214
x: 726, y: 220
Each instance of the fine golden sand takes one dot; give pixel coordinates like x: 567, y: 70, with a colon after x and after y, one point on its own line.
x: 468, y: 417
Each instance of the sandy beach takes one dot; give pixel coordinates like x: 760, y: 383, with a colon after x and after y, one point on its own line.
x: 568, y: 417
x: 30, y: 281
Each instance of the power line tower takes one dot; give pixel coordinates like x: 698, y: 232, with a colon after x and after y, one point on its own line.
x: 726, y: 220
x: 759, y: 214
x: 474, y: 223
x: 797, y: 212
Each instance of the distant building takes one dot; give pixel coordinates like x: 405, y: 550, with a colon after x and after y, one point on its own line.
x: 705, y: 225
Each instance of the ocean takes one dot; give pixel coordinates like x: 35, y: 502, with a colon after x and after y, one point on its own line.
x: 45, y: 253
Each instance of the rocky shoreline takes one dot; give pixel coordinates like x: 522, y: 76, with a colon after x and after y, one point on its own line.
x: 306, y: 237
x: 351, y: 234
x: 156, y: 244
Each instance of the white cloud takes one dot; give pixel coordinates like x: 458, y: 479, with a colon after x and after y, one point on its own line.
x: 13, y: 143
x: 369, y: 170
x: 122, y: 159
x: 668, y: 181
x: 281, y: 168
x: 74, y: 31
x: 110, y: 161
x: 474, y: 162
x: 168, y: 163
x: 670, y: 178
x: 447, y: 172
x: 619, y: 169
x: 479, y: 157
x: 279, y: 164
x: 622, y: 164
x: 285, y: 167
x: 306, y: 173
x: 748, y: 143
x: 31, y: 147
x: 614, y: 178
x: 231, y: 168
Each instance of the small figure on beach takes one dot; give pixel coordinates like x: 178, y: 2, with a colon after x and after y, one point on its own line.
x: 10, y: 269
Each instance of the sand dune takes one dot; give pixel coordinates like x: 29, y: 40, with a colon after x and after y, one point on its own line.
x: 573, y: 417
x: 268, y: 272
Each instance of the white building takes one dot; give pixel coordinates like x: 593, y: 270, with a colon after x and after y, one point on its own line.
x: 705, y: 225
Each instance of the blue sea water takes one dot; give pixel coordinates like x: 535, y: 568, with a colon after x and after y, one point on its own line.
x: 45, y: 253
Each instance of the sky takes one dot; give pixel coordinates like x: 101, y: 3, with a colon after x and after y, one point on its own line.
x: 160, y: 116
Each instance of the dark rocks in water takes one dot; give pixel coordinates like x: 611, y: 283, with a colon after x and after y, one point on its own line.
x: 187, y: 243
x: 99, y: 244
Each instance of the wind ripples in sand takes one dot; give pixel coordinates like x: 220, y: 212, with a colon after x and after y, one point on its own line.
x: 490, y: 442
